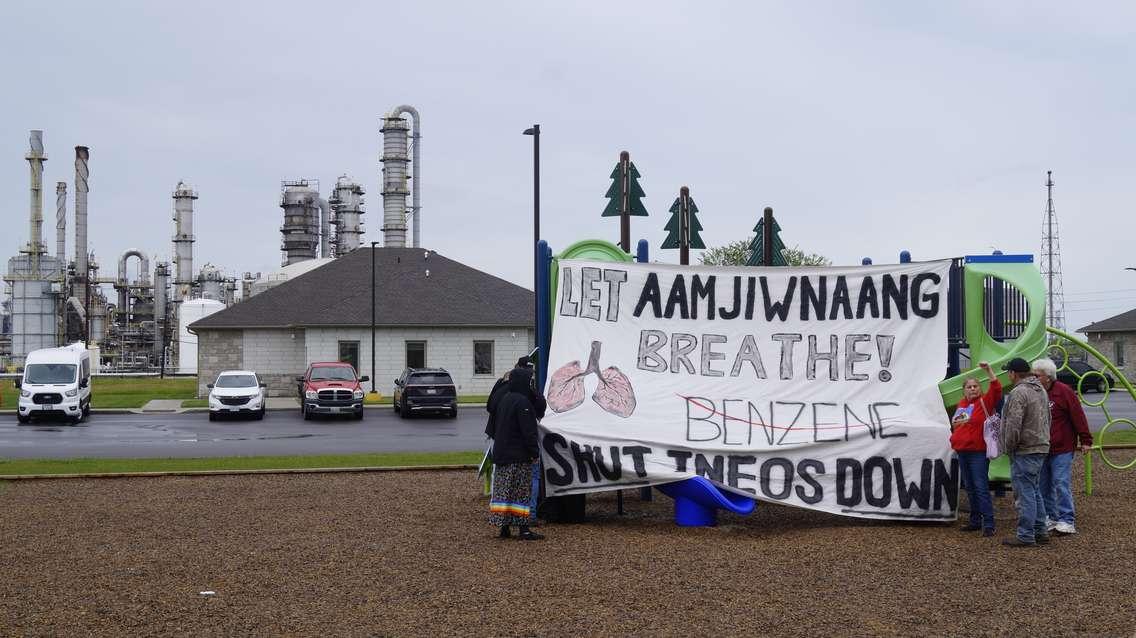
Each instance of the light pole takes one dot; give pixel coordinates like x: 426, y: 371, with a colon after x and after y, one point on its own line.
x: 535, y: 133
x: 374, y: 374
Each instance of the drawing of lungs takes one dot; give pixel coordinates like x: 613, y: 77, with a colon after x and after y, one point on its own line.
x: 615, y: 393
x: 566, y: 388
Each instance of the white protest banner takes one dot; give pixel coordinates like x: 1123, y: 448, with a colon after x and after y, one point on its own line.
x: 813, y: 387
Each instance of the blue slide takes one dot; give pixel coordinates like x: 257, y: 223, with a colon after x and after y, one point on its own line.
x: 697, y: 502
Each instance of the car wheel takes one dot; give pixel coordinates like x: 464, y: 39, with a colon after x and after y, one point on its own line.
x: 395, y: 404
x: 23, y: 420
x: 453, y: 413
x: 87, y: 410
x: 359, y: 414
x: 212, y: 417
x: 260, y: 414
x: 307, y: 414
x: 1102, y: 386
x: 403, y: 412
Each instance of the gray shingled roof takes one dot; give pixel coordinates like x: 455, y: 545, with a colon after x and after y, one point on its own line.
x: 1123, y: 322
x: 339, y: 294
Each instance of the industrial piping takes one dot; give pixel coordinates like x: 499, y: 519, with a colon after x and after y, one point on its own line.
x: 324, y: 226
x: 61, y: 225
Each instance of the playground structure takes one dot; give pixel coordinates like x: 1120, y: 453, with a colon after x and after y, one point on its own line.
x: 995, y: 313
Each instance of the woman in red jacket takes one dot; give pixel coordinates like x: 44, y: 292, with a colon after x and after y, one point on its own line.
x: 967, y: 441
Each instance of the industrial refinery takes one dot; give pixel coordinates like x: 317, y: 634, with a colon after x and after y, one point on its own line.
x: 135, y: 320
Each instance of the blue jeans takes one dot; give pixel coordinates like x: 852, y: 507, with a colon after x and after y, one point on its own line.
x: 975, y: 470
x: 1056, y: 487
x: 1025, y: 474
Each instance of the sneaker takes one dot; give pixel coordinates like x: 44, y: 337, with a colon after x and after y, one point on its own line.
x: 969, y: 527
x: 1017, y: 542
x: 1065, y: 529
x: 529, y: 535
x: 504, y: 533
x: 1041, y: 539
x: 1050, y: 524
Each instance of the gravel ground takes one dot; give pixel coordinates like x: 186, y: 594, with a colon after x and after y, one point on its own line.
x: 411, y: 554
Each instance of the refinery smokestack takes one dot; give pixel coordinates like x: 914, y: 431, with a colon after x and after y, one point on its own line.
x: 394, y: 191
x: 82, y: 173
x: 347, y: 205
x: 61, y: 225
x: 183, y: 241
x: 36, y: 158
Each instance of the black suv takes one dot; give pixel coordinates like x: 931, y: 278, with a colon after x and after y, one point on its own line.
x: 1098, y: 381
x: 424, y: 390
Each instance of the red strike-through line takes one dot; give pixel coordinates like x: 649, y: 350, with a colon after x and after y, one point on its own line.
x: 775, y: 427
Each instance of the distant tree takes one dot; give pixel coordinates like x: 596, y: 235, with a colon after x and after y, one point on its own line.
x: 737, y: 253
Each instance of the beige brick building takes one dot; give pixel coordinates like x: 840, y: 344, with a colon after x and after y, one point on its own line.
x: 1115, y: 338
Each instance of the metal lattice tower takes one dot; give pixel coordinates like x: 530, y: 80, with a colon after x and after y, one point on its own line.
x: 1051, y: 262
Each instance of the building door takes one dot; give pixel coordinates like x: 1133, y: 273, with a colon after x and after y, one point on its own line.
x: 349, y: 353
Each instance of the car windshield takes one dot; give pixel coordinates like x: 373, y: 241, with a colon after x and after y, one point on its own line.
x: 337, y: 373
x: 431, y: 378
x: 236, y: 381
x: 50, y: 373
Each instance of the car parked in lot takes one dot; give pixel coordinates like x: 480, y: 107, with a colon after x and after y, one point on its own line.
x: 331, y: 388
x: 425, y: 390
x: 237, y: 392
x: 1099, y: 382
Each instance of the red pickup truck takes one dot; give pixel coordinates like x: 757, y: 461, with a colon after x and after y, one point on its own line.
x: 331, y: 388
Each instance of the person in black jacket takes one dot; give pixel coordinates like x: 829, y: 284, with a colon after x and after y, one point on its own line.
x: 515, y: 454
x: 501, y: 388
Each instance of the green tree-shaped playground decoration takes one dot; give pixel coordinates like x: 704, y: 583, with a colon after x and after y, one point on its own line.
x: 625, y: 198
x: 683, y: 227
x: 757, y: 246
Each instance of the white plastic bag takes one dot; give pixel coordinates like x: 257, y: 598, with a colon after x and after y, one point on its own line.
x: 991, y: 433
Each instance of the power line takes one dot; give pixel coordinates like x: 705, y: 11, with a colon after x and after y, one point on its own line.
x: 1099, y: 292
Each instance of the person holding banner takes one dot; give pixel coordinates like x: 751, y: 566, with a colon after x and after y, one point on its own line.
x: 1068, y: 432
x: 515, y: 455
x: 1025, y: 437
x: 968, y: 442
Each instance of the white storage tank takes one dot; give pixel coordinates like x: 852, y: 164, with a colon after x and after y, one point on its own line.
x: 188, y: 312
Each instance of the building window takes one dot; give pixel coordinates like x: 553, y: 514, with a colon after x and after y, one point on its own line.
x: 483, y: 357
x: 349, y: 353
x: 1118, y: 352
x: 416, y: 354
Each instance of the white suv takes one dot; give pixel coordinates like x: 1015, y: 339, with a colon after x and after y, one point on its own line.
x: 237, y: 392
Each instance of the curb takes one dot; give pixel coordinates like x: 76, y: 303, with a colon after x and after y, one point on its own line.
x: 324, y: 470
x: 184, y: 410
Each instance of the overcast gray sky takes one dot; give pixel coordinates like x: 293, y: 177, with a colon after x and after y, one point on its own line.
x: 870, y: 127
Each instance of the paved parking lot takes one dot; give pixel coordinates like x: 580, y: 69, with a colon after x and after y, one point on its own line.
x: 190, y: 434
x: 282, y: 432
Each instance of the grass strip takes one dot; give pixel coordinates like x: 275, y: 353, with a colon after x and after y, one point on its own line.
x: 108, y: 466
x: 1115, y: 436
x: 120, y: 392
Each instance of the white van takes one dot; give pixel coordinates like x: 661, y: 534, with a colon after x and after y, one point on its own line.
x: 56, y: 383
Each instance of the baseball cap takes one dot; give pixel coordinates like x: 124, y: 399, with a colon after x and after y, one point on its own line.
x: 1017, y: 364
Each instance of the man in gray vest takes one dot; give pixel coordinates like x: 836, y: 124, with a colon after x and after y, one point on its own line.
x: 1025, y: 438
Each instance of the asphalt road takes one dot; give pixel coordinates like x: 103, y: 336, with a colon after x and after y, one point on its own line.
x: 191, y: 434
x: 282, y: 432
